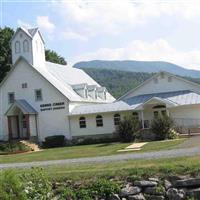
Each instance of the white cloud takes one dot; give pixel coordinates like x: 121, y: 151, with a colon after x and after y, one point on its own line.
x: 158, y: 50
x: 116, y: 16
x: 70, y: 35
x: 44, y: 23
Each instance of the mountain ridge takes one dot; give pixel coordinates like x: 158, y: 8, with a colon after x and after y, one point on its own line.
x: 138, y: 66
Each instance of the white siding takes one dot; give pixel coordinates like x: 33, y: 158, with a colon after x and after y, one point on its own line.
x: 163, y: 86
x: 21, y: 36
x: 49, y: 122
x: 91, y: 129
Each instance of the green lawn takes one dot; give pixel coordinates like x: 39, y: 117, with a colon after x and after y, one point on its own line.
x: 85, y: 151
x: 124, y: 169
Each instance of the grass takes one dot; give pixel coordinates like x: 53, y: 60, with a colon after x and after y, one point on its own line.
x: 85, y: 151
x: 124, y: 169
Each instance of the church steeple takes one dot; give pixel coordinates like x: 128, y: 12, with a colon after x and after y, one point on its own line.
x: 29, y: 44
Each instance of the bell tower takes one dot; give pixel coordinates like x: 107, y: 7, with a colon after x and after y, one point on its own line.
x: 29, y: 44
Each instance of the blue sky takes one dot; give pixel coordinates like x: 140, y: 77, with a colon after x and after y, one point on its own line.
x: 167, y: 30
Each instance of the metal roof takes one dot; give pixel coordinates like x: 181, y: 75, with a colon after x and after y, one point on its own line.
x: 23, y: 105
x: 65, y: 77
x: 174, y: 98
x: 182, y: 97
x: 100, y: 108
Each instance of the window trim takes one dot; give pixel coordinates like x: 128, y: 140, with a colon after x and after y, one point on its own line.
x: 9, y: 93
x: 25, y: 46
x: 82, y: 122
x: 36, y: 95
x: 117, y: 119
x: 99, y: 121
x: 17, y: 48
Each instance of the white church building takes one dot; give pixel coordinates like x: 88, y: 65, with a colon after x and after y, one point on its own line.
x: 40, y: 98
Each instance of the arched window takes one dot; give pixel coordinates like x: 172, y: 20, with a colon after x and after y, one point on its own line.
x: 99, y: 121
x: 25, y: 46
x: 82, y: 122
x: 117, y: 119
x: 17, y: 47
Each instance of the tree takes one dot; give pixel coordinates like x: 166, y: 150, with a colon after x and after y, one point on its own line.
x: 6, y: 54
x: 5, y: 51
x: 52, y: 56
x: 161, y: 126
x: 128, y: 128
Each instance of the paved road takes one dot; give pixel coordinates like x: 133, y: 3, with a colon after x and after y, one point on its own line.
x: 106, y: 159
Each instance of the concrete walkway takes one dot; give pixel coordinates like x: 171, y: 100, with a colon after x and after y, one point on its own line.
x: 107, y: 159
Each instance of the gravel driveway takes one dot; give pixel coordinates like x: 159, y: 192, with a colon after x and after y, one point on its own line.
x: 106, y: 159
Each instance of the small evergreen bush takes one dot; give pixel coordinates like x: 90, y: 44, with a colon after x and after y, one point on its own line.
x: 128, y: 128
x: 54, y: 141
x: 161, y: 126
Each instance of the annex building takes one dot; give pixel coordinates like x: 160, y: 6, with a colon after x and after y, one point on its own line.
x: 40, y: 99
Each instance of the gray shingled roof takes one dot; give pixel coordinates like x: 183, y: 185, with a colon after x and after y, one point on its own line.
x: 177, y: 98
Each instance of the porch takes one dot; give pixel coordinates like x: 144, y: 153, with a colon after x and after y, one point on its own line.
x: 21, y: 121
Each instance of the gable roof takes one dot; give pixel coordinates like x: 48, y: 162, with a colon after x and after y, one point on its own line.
x: 62, y: 78
x: 29, y: 32
x: 182, y: 97
x: 23, y: 105
x: 155, y: 76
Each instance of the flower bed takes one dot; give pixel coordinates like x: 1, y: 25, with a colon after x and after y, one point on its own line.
x: 13, y: 148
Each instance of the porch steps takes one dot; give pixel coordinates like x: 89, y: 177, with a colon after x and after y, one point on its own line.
x: 33, y: 146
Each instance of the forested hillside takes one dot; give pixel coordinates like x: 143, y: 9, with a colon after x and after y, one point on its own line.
x: 138, y: 66
x: 120, y: 82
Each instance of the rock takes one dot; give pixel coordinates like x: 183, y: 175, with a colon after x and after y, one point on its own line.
x: 193, y: 193
x: 175, y: 194
x: 154, y: 190
x: 137, y: 197
x: 190, y: 182
x: 155, y: 197
x: 114, y: 197
x: 167, y: 184
x: 130, y: 190
x: 145, y: 183
x: 154, y: 179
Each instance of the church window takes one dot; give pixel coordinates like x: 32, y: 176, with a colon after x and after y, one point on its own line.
x: 82, y: 122
x: 99, y: 121
x: 117, y: 119
x: 25, y: 46
x: 38, y: 95
x: 17, y: 47
x: 11, y: 97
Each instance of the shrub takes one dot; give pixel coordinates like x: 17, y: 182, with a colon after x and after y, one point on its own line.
x: 83, y: 194
x: 36, y: 185
x: 87, y: 141
x: 161, y: 126
x: 172, y: 134
x: 128, y: 128
x: 68, y: 194
x: 103, y: 188
x: 55, y: 141
x: 11, y: 186
x: 13, y: 147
